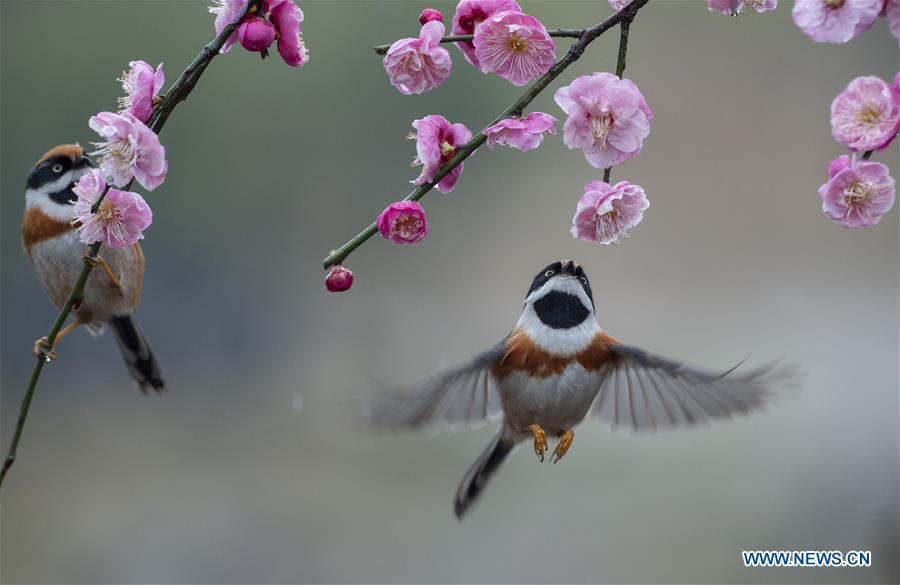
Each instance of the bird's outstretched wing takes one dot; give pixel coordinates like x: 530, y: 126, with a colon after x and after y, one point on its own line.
x: 643, y: 391
x: 459, y: 398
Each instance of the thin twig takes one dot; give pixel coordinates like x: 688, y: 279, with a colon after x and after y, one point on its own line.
x: 556, y: 32
x: 620, y: 70
x: 585, y: 38
x: 177, y: 93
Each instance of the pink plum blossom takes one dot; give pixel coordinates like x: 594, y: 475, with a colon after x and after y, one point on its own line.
x: 618, y: 5
x: 403, y: 222
x: 436, y: 143
x: 515, y: 46
x: 835, y: 21
x: 605, y: 213
x: 228, y: 12
x: 418, y: 65
x: 339, y: 279
x: 865, y: 115
x: 857, y: 193
x: 141, y: 85
x: 287, y: 16
x: 471, y: 13
x: 430, y: 14
x: 524, y: 133
x: 274, y: 19
x: 129, y: 150
x: 735, y: 7
x: 608, y: 118
x: 256, y: 34
x: 119, y: 221
x: 892, y: 13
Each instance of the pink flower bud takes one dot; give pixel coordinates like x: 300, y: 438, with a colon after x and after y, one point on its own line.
x: 430, y: 14
x: 256, y: 34
x: 339, y: 279
x: 403, y: 222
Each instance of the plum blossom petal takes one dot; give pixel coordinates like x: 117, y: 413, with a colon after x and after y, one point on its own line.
x: 403, y: 222
x: 418, y: 65
x: 227, y: 12
x: 835, y: 21
x: 524, y: 133
x: 837, y: 165
x: 119, y: 221
x: 469, y: 14
x: 436, y: 143
x: 141, y: 85
x: 129, y: 150
x: 735, y: 7
x: 608, y: 118
x: 605, y: 213
x: 515, y: 46
x: 287, y: 17
x: 892, y: 13
x: 618, y: 5
x: 865, y: 115
x: 858, y: 193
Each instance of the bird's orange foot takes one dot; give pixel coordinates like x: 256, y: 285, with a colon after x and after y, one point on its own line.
x: 540, y: 440
x: 563, y: 446
x: 43, y: 350
x: 99, y: 261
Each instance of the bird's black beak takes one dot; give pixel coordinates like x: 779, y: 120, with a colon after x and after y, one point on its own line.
x: 83, y: 161
x: 568, y: 268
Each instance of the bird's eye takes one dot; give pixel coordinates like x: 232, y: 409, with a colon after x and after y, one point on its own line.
x: 582, y: 279
x: 57, y: 168
x: 549, y: 273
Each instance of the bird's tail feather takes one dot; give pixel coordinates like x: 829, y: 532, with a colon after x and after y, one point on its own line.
x: 481, y: 471
x: 138, y: 356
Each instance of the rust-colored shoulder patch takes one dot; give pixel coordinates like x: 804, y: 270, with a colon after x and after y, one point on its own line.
x: 37, y: 226
x: 523, y: 355
x: 73, y: 151
x: 598, y: 353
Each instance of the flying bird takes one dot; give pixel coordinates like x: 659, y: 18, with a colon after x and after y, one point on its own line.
x: 558, y: 367
x: 51, y: 244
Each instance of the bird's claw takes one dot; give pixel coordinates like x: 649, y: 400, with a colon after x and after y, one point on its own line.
x: 563, y: 446
x: 540, y: 441
x: 98, y: 260
x: 43, y: 350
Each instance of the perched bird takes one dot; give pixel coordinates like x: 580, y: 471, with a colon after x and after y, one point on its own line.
x: 558, y: 366
x: 51, y: 243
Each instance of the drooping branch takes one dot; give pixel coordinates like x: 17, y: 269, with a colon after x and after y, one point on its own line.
x: 624, y: 29
x: 585, y: 37
x: 556, y: 32
x: 176, y: 94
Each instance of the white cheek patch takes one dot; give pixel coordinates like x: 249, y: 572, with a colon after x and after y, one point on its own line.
x: 40, y: 198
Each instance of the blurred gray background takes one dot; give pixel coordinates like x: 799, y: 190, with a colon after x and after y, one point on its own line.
x: 253, y: 468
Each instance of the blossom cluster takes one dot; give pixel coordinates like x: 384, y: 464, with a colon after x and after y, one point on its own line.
x: 506, y: 42
x: 261, y: 26
x: 129, y: 150
x: 865, y: 118
x: 607, y: 118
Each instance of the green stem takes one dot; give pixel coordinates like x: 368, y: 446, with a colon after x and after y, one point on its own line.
x: 620, y: 70
x: 585, y: 38
x: 177, y: 93
x: 557, y: 32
